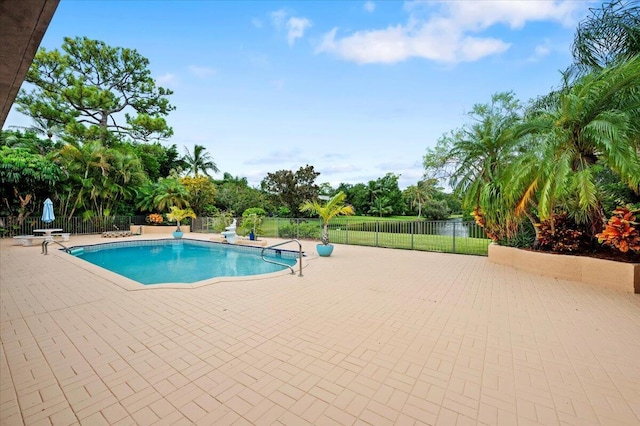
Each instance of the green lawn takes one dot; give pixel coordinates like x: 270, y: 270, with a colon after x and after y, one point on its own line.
x: 391, y: 234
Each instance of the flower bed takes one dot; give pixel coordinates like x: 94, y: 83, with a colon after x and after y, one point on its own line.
x: 607, y: 273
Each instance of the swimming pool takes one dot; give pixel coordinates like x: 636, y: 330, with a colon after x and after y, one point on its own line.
x: 181, y: 261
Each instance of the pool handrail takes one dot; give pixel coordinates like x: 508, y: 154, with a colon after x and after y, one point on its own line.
x: 284, y: 264
x: 45, y: 245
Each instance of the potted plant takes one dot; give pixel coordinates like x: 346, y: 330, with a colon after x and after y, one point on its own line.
x: 252, y: 222
x: 178, y: 215
x: 332, y: 208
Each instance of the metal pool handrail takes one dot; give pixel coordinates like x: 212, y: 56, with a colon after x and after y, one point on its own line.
x: 45, y: 244
x: 284, y: 264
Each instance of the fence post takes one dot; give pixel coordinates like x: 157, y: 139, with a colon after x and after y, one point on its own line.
x: 346, y: 238
x: 377, y: 229
x: 412, y: 223
x: 454, y: 237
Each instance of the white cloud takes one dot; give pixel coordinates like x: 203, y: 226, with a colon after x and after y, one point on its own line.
x: 294, y: 25
x: 446, y: 32
x: 278, y: 18
x: 296, y: 28
x: 167, y: 79
x: 201, y: 72
x: 540, y: 52
x: 369, y: 6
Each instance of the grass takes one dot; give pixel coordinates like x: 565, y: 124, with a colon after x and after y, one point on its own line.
x: 391, y: 234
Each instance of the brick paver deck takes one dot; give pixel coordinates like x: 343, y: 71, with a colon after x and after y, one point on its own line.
x: 367, y: 336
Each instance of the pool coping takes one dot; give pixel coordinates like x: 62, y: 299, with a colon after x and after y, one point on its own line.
x: 131, y: 285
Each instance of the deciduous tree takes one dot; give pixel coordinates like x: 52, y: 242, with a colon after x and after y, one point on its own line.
x: 292, y: 189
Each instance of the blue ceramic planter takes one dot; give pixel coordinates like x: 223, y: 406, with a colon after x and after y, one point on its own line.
x: 324, y: 250
x: 178, y: 234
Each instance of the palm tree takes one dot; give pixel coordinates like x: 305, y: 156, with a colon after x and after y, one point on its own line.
x: 419, y: 194
x: 593, y: 121
x: 476, y: 159
x: 334, y: 207
x: 610, y: 35
x: 200, y: 160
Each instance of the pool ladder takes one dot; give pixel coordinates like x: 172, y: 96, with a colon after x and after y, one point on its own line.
x: 45, y: 245
x: 284, y: 264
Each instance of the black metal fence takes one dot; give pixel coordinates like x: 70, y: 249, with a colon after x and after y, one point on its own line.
x: 451, y: 236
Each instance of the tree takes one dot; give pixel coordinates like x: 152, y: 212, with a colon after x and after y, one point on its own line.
x: 385, y: 197
x: 419, y: 194
x: 357, y: 196
x: 201, y: 193
x: 610, y: 35
x: 200, y: 160
x: 476, y: 157
x: 96, y: 91
x: 292, y: 189
x: 24, y: 178
x: 158, y: 161
x: 99, y: 180
x: 594, y: 121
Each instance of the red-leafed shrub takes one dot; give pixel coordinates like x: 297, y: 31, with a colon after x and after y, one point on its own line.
x: 621, y: 232
x: 562, y: 235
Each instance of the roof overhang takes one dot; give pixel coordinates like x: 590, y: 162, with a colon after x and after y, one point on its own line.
x: 22, y: 26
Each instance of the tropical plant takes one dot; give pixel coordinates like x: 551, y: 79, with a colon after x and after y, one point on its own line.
x: 201, y: 192
x: 593, y: 121
x: 155, y: 219
x: 562, y: 234
x: 419, y: 194
x: 332, y: 208
x: 177, y: 214
x: 476, y: 161
x: 621, y: 231
x: 200, y: 161
x: 25, y: 177
x: 252, y: 219
x: 609, y: 35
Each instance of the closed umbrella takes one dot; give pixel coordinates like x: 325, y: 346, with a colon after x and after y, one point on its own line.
x: 47, y: 212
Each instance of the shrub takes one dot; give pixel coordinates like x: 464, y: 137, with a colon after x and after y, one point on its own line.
x: 562, y: 235
x: 300, y: 230
x: 621, y: 232
x: 155, y: 219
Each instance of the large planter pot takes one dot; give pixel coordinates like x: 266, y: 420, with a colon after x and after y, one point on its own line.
x: 607, y: 273
x: 149, y: 229
x: 178, y: 234
x: 324, y: 250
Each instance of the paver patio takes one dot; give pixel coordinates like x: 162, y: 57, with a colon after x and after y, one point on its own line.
x: 367, y: 336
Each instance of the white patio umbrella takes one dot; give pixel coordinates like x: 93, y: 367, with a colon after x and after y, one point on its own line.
x: 47, y: 212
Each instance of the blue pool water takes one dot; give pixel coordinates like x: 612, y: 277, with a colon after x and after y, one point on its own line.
x: 181, y: 261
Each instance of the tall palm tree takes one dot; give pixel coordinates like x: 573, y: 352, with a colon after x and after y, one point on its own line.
x: 592, y: 121
x: 419, y: 194
x: 200, y: 161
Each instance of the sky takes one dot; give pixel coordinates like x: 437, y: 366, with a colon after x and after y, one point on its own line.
x: 357, y: 89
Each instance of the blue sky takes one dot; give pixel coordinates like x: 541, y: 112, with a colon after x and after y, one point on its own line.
x: 355, y: 88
